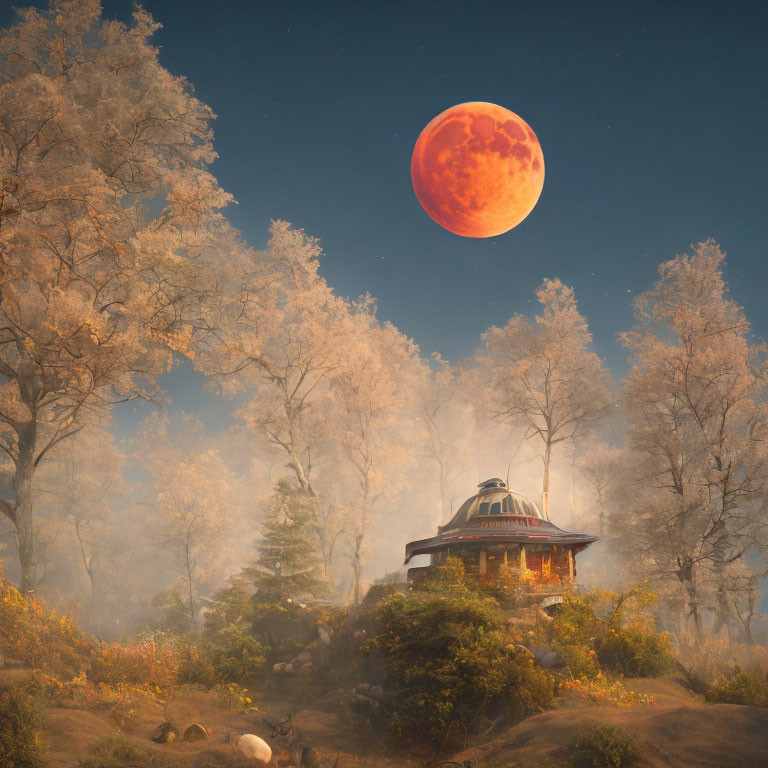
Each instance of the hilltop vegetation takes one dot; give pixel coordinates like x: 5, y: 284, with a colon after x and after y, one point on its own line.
x: 457, y: 669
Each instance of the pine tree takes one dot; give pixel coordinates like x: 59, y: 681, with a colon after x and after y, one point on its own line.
x: 288, y: 561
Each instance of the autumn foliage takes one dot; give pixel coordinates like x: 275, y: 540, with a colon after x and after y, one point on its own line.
x: 33, y: 633
x: 117, y: 262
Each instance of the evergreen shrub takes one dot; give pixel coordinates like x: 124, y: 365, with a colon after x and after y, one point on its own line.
x: 605, y: 746
x: 739, y: 686
x: 20, y: 725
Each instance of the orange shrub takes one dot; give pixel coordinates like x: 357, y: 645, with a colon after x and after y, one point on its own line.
x: 144, y: 663
x: 604, y: 691
x: 38, y: 635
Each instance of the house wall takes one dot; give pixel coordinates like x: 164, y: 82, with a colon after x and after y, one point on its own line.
x: 547, y: 563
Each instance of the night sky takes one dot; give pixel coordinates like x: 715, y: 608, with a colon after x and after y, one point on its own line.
x: 653, y: 121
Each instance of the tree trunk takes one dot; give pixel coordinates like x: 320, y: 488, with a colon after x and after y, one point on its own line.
x: 22, y: 484
x: 694, y: 613
x: 94, y: 624
x: 323, y: 547
x: 357, y: 565
x: 190, y: 566
x: 722, y: 615
x: 322, y: 515
x: 545, y: 480
x: 444, y: 500
x: 301, y: 475
x: 601, y: 514
x: 88, y: 566
x: 190, y: 596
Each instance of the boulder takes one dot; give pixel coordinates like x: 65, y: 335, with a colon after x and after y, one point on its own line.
x: 165, y: 733
x: 376, y: 691
x: 303, y: 658
x: 195, y: 732
x: 546, y: 658
x: 254, y: 748
x: 362, y: 689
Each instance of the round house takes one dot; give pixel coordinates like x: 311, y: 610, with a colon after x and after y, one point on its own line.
x: 500, y: 531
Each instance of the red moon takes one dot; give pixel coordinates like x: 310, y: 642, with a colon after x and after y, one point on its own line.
x: 477, y: 169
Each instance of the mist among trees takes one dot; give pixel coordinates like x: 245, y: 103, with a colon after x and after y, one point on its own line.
x: 117, y: 263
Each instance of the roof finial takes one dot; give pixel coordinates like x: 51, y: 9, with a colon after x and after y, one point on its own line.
x: 494, y: 482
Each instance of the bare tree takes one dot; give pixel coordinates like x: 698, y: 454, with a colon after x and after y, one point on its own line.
x: 373, y: 393
x: 82, y: 478
x: 603, y: 468
x: 544, y: 377
x: 450, y: 429
x: 283, y: 339
x: 192, y: 494
x: 696, y: 396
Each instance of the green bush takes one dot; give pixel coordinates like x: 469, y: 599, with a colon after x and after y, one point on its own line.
x: 172, y: 611
x: 450, y: 575
x: 116, y: 752
x: 449, y: 650
x: 285, y: 627
x: 235, y: 655
x: 739, y: 687
x: 232, y: 605
x: 605, y: 746
x: 636, y: 652
x: 196, y: 666
x: 20, y: 725
x: 227, y: 655
x: 529, y: 687
x: 580, y: 659
x: 376, y: 594
x: 572, y: 635
x: 586, y: 642
x: 575, y: 622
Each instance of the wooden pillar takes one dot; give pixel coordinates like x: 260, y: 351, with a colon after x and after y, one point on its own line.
x: 482, y: 567
x: 506, y: 561
x: 523, y: 566
x: 570, y: 563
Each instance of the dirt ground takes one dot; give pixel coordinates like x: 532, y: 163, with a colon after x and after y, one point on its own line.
x: 677, y: 730
x: 70, y: 732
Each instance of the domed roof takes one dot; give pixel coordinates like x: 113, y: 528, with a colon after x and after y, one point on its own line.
x: 495, y: 515
x: 493, y: 500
